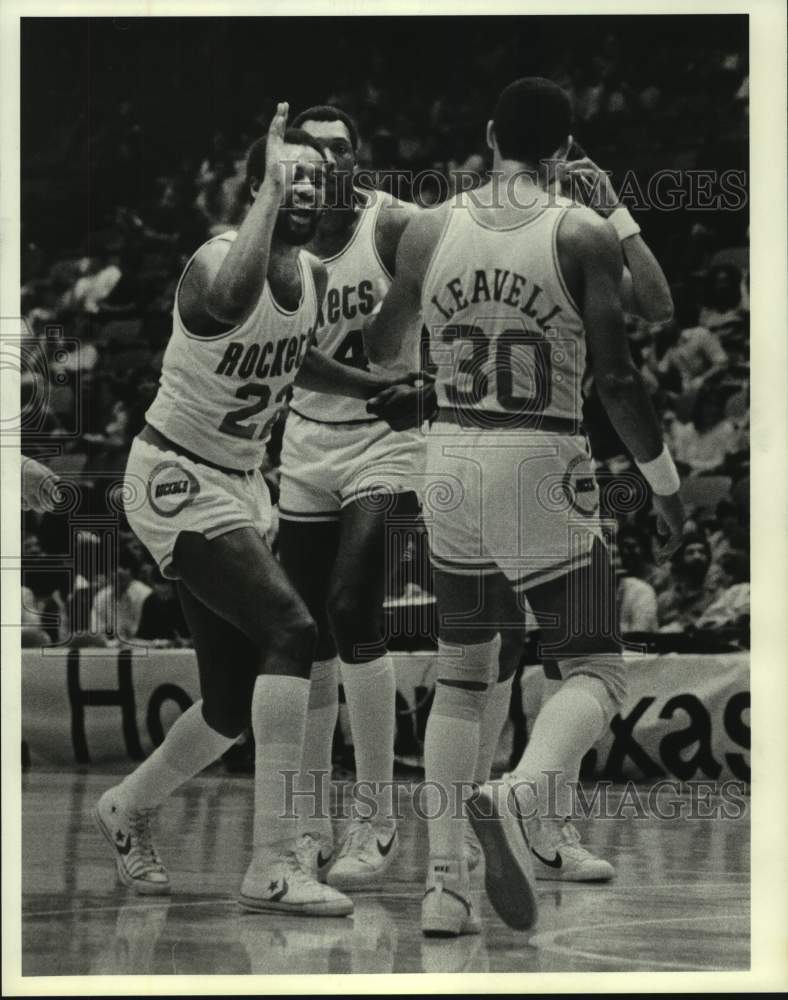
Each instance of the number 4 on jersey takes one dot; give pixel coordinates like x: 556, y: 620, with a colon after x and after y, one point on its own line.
x: 351, y: 350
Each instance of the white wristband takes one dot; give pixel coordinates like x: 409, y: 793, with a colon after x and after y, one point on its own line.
x: 660, y: 473
x: 623, y: 223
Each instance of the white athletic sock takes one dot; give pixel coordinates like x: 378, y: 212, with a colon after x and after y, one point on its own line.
x: 370, y: 693
x: 495, y: 714
x: 189, y: 746
x: 314, y: 804
x: 451, y: 743
x: 279, y: 708
x: 570, y: 722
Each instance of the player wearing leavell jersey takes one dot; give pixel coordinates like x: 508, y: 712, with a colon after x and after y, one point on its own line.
x: 514, y: 287
x: 244, y: 315
x: 344, y: 475
x: 644, y: 292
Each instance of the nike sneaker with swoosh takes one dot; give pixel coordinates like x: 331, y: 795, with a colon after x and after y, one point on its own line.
x: 128, y: 831
x: 277, y: 882
x: 509, y: 873
x: 316, y: 855
x: 366, y: 853
x: 447, y: 908
x: 564, y: 859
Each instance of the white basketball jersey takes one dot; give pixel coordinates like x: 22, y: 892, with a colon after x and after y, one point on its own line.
x: 357, y: 282
x: 218, y: 396
x: 506, y: 338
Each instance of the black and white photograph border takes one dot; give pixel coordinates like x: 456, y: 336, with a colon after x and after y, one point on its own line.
x: 685, y: 791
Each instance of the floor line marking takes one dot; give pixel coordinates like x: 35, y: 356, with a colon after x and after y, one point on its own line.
x: 546, y: 941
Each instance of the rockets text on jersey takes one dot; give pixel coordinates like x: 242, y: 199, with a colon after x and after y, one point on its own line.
x: 357, y: 282
x: 218, y: 396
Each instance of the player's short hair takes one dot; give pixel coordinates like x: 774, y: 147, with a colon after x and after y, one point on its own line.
x: 329, y: 113
x: 532, y: 117
x: 255, y: 158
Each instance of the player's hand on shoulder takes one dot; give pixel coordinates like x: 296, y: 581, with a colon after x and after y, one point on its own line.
x: 670, y: 524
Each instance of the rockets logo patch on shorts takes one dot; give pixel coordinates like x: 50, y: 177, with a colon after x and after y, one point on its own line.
x: 171, y: 487
x: 167, y: 493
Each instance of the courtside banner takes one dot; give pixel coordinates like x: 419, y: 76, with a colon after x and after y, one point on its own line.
x: 685, y: 717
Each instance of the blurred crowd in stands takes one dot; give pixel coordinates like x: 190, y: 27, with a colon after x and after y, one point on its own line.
x: 99, y: 272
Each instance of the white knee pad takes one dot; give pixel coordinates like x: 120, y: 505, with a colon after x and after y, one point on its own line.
x: 462, y: 678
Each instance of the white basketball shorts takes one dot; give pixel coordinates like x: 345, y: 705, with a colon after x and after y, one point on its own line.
x: 165, y: 493
x: 522, y: 502
x: 327, y: 466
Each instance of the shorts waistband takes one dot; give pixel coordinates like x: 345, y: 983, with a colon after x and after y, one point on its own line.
x: 487, y: 420
x: 150, y: 435
x: 361, y: 422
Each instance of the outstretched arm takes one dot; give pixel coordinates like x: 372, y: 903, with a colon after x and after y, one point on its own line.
x: 645, y: 289
x: 239, y: 281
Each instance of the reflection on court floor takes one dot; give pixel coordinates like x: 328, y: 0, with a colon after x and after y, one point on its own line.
x: 680, y: 901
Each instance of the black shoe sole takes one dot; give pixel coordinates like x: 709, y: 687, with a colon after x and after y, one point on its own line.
x: 509, y: 878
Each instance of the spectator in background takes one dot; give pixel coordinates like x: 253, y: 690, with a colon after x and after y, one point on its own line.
x: 694, y: 352
x: 732, y: 607
x: 704, y: 443
x: 634, y: 546
x: 101, y: 273
x: 162, y: 616
x: 117, y: 608
x: 722, y: 300
x: 636, y: 599
x: 88, y: 580
x: 692, y: 587
x: 39, y: 486
x: 729, y: 532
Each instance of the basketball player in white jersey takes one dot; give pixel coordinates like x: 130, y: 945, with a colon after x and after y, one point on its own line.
x: 344, y: 476
x: 245, y: 313
x: 514, y: 287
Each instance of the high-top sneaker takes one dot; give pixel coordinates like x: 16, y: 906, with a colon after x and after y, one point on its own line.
x: 447, y: 909
x: 128, y: 831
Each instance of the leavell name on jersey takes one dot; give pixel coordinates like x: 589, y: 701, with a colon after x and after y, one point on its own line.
x: 490, y: 286
x: 219, y: 396
x: 507, y: 341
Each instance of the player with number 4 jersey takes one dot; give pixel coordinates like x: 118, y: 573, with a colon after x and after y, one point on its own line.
x: 345, y: 476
